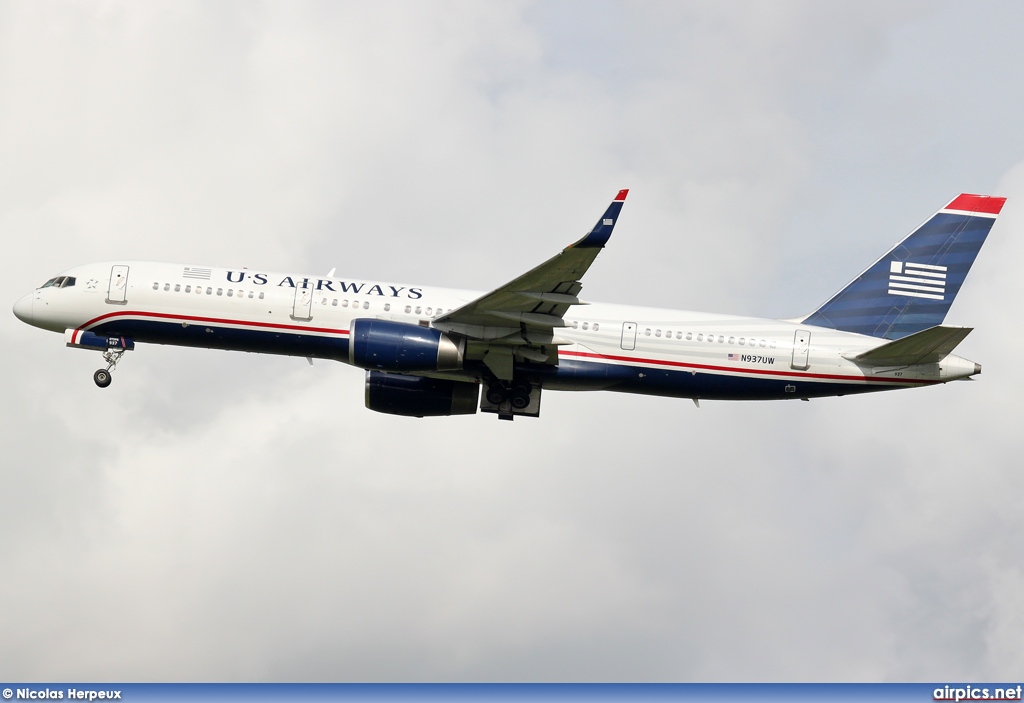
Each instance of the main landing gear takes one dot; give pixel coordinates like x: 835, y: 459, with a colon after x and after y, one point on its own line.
x: 508, y: 399
x: 517, y: 394
x: 102, y: 377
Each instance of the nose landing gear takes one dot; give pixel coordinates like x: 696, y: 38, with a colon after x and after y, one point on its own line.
x: 102, y: 377
x: 113, y: 349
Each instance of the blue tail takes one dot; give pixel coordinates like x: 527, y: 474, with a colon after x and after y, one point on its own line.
x: 911, y: 288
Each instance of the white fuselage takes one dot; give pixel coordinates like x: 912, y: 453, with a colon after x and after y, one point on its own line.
x: 614, y: 347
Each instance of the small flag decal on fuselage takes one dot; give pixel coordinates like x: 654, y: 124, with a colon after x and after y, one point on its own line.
x: 917, y: 280
x: 193, y: 272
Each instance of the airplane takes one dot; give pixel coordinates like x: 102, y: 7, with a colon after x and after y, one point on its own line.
x: 429, y: 351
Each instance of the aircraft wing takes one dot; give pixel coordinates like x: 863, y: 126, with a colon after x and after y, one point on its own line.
x: 517, y: 321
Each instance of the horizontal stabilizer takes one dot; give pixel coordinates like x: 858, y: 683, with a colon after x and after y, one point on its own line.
x: 928, y: 346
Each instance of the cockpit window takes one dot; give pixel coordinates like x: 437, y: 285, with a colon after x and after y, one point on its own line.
x: 59, y: 282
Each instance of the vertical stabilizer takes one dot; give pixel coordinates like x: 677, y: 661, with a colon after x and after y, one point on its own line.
x: 911, y: 288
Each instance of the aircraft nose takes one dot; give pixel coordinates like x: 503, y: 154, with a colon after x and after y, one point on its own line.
x: 23, y: 308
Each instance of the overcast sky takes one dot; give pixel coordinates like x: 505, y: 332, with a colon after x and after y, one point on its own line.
x: 227, y: 516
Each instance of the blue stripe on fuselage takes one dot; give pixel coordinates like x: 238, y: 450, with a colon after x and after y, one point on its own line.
x: 571, y: 374
x: 575, y: 374
x: 207, y: 336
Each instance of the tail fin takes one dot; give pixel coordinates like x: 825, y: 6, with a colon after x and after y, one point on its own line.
x: 911, y: 288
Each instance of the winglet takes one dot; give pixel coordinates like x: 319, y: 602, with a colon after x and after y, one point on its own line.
x: 602, y: 231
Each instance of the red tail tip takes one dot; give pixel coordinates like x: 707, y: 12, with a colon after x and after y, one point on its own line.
x: 622, y: 195
x: 977, y: 203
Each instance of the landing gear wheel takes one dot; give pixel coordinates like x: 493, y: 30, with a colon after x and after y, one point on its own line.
x: 520, y: 395
x: 102, y: 378
x: 496, y: 395
x: 520, y: 400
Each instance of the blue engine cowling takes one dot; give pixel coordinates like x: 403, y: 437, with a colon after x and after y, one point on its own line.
x: 399, y: 346
x: 416, y: 396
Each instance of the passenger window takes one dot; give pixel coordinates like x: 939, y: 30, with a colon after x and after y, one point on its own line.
x: 657, y: 333
x: 366, y: 305
x: 575, y: 324
x: 334, y: 302
x: 732, y: 340
x: 585, y: 325
x: 177, y: 287
x: 231, y: 293
x: 721, y: 339
x: 220, y: 291
x: 209, y: 291
x: 761, y: 344
x: 742, y: 341
x: 408, y: 309
x: 261, y: 296
x: 344, y: 303
x: 418, y: 309
x: 595, y: 327
x: 700, y: 337
x: 167, y: 287
x: 188, y: 289
x: 647, y: 332
x: 679, y: 335
x: 773, y: 345
x: 250, y: 296
x: 430, y: 311
x: 387, y: 307
x: 156, y: 286
x: 689, y: 336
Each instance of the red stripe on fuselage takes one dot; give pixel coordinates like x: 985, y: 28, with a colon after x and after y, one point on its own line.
x: 730, y: 369
x: 213, y: 320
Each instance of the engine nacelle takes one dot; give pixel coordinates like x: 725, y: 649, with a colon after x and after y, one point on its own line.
x: 416, y: 396
x: 399, y: 346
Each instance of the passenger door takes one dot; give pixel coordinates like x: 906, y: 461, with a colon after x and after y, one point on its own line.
x: 629, y: 336
x: 117, y: 289
x: 801, y: 350
x: 302, y: 307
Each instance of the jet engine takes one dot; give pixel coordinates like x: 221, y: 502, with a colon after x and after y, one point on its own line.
x: 416, y: 396
x: 399, y: 346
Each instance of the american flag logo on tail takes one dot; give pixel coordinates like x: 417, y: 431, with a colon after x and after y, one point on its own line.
x: 917, y: 280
